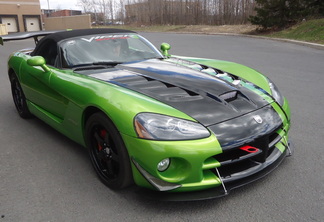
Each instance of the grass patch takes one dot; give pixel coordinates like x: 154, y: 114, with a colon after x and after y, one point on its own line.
x: 310, y: 31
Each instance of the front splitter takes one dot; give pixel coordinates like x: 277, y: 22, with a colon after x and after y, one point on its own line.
x: 216, y: 192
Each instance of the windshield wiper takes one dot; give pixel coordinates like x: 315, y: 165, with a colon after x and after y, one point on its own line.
x: 108, y: 63
x: 95, y: 65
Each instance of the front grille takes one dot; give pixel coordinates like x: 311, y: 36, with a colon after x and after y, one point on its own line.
x: 237, y: 160
x: 232, y: 169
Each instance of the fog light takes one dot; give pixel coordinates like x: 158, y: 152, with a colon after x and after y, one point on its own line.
x: 163, y: 164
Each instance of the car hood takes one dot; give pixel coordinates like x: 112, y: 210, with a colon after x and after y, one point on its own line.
x: 206, y: 98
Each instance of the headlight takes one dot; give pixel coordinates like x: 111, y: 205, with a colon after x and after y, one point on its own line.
x: 159, y: 127
x: 276, y: 93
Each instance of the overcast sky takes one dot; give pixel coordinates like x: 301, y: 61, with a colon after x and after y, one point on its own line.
x: 60, y: 4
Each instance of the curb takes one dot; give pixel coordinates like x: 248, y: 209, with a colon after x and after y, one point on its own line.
x: 309, y: 44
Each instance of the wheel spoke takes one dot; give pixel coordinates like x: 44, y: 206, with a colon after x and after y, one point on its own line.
x: 99, y: 140
x: 102, y: 156
x: 107, y: 158
x: 111, y: 146
x: 107, y: 139
x: 114, y: 155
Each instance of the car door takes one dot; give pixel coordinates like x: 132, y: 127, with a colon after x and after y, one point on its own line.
x: 36, y: 82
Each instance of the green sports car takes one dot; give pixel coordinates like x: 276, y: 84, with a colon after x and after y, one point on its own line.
x: 184, y: 128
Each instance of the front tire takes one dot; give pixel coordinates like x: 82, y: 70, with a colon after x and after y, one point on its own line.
x: 107, y: 152
x: 19, y: 98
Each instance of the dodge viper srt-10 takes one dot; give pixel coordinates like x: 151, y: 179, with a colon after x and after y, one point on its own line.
x: 182, y: 127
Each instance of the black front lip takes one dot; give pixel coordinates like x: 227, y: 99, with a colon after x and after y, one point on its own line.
x: 263, y: 169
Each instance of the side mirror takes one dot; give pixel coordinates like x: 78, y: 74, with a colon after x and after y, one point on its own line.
x: 38, y: 61
x: 164, y: 48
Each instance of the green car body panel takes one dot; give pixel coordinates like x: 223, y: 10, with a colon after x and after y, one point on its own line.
x: 65, y: 100
x: 70, y: 110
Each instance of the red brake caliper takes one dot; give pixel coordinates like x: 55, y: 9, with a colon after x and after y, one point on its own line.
x: 102, y: 135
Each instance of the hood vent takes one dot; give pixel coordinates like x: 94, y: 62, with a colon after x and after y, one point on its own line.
x: 229, y: 96
x: 159, y: 89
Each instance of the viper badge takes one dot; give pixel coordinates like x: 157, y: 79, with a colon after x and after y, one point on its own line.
x: 258, y: 119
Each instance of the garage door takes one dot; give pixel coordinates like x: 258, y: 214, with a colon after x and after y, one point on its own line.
x: 11, y: 24
x: 32, y: 24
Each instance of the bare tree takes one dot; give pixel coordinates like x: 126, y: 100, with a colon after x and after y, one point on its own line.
x: 86, y: 5
x: 173, y: 12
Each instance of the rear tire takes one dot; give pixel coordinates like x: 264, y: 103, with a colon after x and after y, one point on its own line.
x: 19, y: 98
x: 107, y: 152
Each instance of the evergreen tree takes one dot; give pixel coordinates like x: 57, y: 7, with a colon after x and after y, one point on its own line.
x: 282, y: 13
x: 276, y: 13
x: 314, y: 8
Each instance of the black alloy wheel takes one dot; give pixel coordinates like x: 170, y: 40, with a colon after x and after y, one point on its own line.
x: 19, y: 98
x: 107, y: 152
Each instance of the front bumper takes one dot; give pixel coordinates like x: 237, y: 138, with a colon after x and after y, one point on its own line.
x: 204, y: 169
x: 274, y: 160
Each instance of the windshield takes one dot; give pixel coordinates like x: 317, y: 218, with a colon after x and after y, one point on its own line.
x: 109, y: 49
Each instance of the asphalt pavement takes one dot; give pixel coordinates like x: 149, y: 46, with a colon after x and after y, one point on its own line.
x: 46, y: 177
